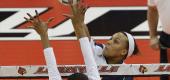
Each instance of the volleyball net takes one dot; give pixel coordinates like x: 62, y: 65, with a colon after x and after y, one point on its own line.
x: 66, y: 70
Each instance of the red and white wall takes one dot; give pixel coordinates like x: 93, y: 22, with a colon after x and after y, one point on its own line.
x: 21, y: 46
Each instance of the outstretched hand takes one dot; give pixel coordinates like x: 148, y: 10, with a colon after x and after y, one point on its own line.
x: 77, y: 12
x: 38, y: 25
x: 77, y: 17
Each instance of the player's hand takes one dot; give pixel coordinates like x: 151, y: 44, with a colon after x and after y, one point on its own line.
x: 154, y: 43
x: 38, y: 25
x: 77, y: 12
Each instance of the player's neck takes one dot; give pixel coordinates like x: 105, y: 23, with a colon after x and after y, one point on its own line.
x: 114, y: 60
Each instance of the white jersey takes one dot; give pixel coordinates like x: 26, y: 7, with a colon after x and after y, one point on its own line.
x: 97, y: 52
x: 164, y: 11
x: 51, y: 64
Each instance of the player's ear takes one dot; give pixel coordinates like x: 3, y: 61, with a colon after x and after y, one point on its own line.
x: 123, y: 52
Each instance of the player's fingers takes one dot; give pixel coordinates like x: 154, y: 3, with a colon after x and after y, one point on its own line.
x: 31, y: 18
x: 74, y: 7
x: 37, y: 15
x: 85, y: 9
x: 28, y: 20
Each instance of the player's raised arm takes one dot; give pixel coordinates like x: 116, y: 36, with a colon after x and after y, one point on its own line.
x: 91, y: 66
x: 41, y: 28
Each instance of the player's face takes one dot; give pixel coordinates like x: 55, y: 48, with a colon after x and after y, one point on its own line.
x: 116, y: 46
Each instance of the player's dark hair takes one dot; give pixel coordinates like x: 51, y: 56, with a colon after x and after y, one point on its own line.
x: 78, y: 76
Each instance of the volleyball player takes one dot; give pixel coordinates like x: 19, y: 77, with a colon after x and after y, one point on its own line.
x: 121, y: 45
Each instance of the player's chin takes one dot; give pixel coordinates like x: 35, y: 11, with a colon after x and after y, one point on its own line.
x: 104, y: 52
